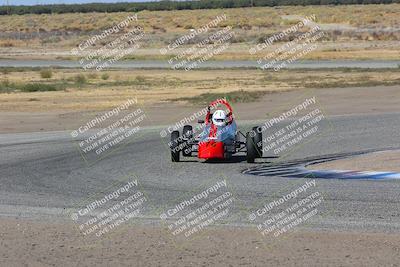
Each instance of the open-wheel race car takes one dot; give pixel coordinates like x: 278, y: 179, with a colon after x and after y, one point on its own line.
x: 219, y: 138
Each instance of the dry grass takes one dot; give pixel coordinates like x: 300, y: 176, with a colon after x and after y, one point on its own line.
x: 249, y: 24
x: 182, y: 20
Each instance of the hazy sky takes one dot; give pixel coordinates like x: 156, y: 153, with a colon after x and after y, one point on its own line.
x: 37, y: 2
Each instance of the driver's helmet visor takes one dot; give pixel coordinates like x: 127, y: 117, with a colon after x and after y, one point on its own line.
x: 219, y: 120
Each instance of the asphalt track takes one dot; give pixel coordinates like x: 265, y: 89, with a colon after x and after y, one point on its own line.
x: 43, y: 175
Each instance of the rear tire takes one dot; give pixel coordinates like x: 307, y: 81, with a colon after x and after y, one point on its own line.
x: 258, y: 142
x: 187, y: 135
x: 175, y: 155
x: 251, y: 153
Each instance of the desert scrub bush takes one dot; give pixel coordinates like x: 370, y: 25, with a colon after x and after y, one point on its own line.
x: 80, y: 79
x: 158, y: 28
x: 92, y: 75
x: 46, y: 73
x: 239, y: 96
x: 37, y: 87
x: 140, y: 79
x: 105, y: 76
x: 5, y: 70
x: 51, y: 40
x: 7, y: 87
x: 7, y: 43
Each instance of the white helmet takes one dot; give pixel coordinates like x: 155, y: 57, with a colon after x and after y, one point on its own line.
x: 219, y: 118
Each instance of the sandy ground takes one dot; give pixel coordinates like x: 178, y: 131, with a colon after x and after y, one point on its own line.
x: 335, y: 101
x: 37, y: 243
x: 378, y: 161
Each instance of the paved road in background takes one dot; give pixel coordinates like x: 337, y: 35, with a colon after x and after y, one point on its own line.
x: 160, y: 64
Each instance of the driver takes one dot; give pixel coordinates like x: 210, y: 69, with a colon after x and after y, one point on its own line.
x: 226, y: 129
x: 219, y: 118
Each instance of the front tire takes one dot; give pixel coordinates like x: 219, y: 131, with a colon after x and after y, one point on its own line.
x: 175, y: 155
x: 187, y: 135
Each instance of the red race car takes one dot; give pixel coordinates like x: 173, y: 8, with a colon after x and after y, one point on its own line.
x: 219, y: 137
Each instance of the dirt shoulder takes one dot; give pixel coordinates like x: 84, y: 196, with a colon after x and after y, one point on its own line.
x: 378, y: 161
x: 36, y: 243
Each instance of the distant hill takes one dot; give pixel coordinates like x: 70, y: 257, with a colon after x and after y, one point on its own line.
x: 173, y: 5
